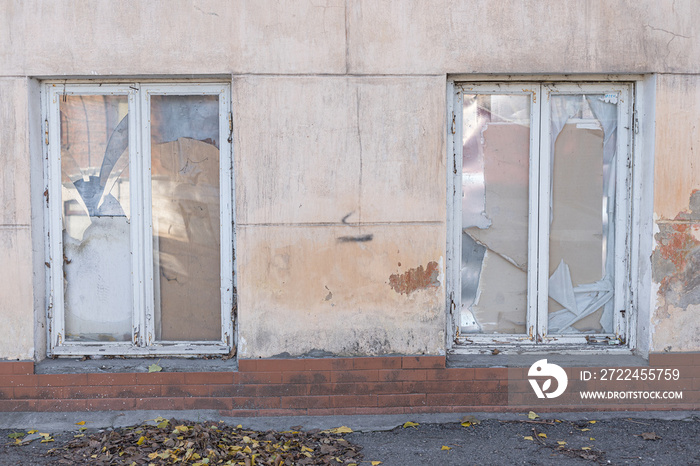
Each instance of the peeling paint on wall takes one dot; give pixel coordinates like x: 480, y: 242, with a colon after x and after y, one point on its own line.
x: 416, y: 279
x: 676, y: 260
x: 676, y: 268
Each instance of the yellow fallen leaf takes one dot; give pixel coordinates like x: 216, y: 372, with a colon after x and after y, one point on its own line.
x: 557, y: 420
x: 375, y: 463
x: 154, y: 368
x: 307, y: 454
x: 341, y: 430
x: 141, y: 440
x: 45, y: 435
x: 239, y: 426
x: 410, y: 424
x: 542, y: 435
x: 247, y: 450
x: 303, y: 448
x: 585, y: 430
x: 81, y: 423
x: 32, y: 431
x: 561, y: 442
x: 532, y: 415
x: 585, y: 448
x: 592, y: 422
x: 445, y: 447
x: 466, y: 424
x: 528, y: 437
x: 153, y: 455
x: 591, y: 438
x: 79, y: 435
x: 47, y: 440
x: 163, y: 424
x: 471, y: 419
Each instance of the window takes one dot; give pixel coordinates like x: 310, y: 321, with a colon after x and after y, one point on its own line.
x: 139, y: 214
x: 540, y: 214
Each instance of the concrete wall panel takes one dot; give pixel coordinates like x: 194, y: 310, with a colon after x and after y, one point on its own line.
x: 332, y: 149
x: 677, y: 171
x: 14, y: 153
x: 161, y: 37
x: 16, y: 298
x: 402, y: 135
x: 519, y: 36
x: 304, y: 289
x: 296, y: 149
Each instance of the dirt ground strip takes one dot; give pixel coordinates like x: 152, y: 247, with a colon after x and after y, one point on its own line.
x: 493, y: 442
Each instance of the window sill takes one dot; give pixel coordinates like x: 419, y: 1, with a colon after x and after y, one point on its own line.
x: 119, y: 365
x: 619, y: 358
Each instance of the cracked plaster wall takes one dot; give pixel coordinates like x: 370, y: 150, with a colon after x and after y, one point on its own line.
x: 676, y: 257
x: 339, y: 132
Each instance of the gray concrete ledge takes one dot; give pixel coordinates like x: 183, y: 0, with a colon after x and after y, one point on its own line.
x: 62, y: 422
x: 115, y: 365
x: 564, y: 360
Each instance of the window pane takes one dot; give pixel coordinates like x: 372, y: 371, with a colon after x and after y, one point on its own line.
x: 495, y: 176
x: 185, y: 197
x: 583, y: 200
x: 96, y: 212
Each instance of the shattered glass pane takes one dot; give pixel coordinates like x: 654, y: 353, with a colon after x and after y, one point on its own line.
x: 495, y: 179
x: 582, y: 202
x: 96, y: 213
x: 185, y: 197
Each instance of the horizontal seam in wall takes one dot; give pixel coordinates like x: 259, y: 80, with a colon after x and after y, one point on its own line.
x: 237, y: 75
x: 9, y: 226
x: 339, y: 224
x: 342, y: 75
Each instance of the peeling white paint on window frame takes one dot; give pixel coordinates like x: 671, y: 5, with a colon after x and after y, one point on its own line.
x: 626, y: 248
x: 143, y: 334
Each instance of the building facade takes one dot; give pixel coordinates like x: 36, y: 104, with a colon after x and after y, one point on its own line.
x: 347, y: 206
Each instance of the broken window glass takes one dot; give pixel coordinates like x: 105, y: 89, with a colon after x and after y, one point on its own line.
x: 495, y: 206
x: 581, y: 253
x: 185, y: 199
x: 96, y: 214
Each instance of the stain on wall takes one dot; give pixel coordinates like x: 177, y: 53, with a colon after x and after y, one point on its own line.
x: 676, y: 268
x: 416, y: 279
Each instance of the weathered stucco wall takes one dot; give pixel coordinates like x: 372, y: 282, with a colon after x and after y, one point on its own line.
x: 676, y: 259
x: 83, y: 37
x: 339, y: 143
x: 16, y: 294
x: 335, y: 194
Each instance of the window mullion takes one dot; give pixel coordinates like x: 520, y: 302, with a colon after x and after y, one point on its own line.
x: 226, y: 203
x: 544, y: 212
x: 622, y: 219
x: 146, y: 230
x: 55, y: 221
x: 136, y: 226
x: 533, y: 262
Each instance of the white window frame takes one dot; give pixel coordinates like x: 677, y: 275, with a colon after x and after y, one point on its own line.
x: 143, y: 341
x: 537, y: 338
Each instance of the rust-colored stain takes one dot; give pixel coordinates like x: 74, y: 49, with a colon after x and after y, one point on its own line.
x: 676, y: 242
x: 676, y: 260
x: 415, y: 279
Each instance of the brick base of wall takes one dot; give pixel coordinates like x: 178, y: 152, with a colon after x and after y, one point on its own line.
x: 281, y: 387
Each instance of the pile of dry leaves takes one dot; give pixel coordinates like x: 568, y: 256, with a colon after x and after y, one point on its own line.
x: 181, y: 442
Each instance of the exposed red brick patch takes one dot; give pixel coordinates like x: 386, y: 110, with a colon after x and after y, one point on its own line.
x: 415, y: 279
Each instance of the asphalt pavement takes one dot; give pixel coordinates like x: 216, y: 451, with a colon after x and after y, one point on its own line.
x: 639, y: 438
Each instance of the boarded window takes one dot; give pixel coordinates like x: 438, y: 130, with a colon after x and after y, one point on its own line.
x: 137, y: 162
x: 544, y: 170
